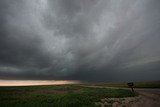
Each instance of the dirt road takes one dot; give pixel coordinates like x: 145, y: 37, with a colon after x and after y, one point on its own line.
x: 146, y: 98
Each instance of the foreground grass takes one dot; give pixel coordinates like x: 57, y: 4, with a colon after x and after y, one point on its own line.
x: 56, y: 96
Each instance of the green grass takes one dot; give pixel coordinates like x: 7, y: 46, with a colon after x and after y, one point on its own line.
x: 56, y: 96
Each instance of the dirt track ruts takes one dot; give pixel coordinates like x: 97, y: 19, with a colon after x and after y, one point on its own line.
x: 147, y: 98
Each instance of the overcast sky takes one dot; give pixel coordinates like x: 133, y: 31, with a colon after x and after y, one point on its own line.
x: 86, y: 40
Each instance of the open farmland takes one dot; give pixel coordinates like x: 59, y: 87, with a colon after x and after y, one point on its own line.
x: 57, y: 96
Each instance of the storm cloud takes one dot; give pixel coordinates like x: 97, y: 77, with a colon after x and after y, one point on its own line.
x: 86, y: 40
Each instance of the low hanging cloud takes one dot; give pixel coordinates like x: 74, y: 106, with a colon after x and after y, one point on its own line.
x: 86, y: 40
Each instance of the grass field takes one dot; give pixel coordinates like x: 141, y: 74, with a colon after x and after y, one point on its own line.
x: 150, y: 84
x: 56, y: 96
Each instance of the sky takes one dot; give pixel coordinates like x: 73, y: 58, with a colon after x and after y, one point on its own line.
x: 34, y: 82
x: 82, y: 40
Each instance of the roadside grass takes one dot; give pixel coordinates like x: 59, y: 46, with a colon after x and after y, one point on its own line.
x: 57, y: 96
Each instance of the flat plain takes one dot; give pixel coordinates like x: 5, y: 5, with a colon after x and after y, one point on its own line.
x: 57, y: 96
x: 80, y: 95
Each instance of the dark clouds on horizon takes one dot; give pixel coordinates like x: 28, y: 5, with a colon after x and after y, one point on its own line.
x: 87, y: 40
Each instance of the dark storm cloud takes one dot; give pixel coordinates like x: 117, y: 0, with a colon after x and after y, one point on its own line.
x: 20, y: 48
x: 88, y: 40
